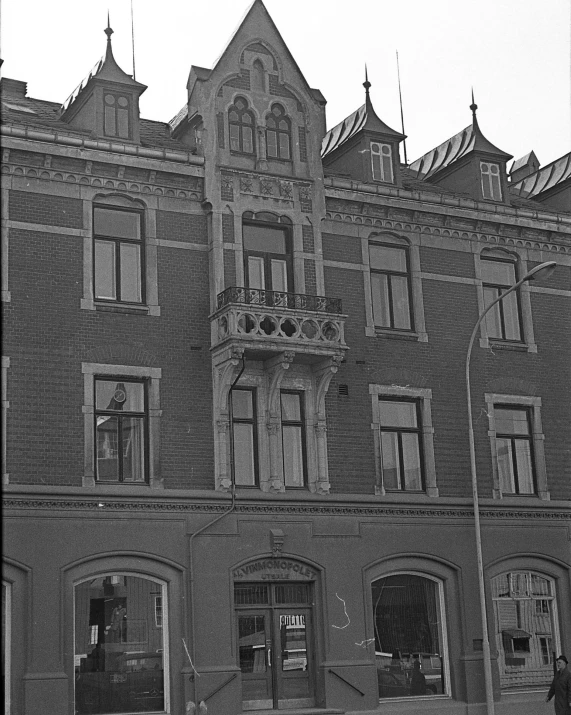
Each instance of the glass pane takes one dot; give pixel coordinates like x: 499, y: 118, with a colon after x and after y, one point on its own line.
x: 387, y: 166
x: 250, y: 595
x: 130, y: 272
x: 244, y: 470
x: 268, y: 239
x: 133, y: 429
x: 105, y: 270
x: 284, y: 146
x: 124, y: 396
x: 279, y: 275
x: 291, y: 407
x: 252, y: 644
x: 377, y: 168
x: 397, y: 414
x: 493, y: 321
x: 234, y: 137
x: 242, y: 404
x: 511, y: 317
x: 496, y: 183
x: 272, y: 143
x: 110, y: 126
x: 380, y: 295
x: 511, y: 421
x: 248, y: 144
x: 107, y: 448
x: 505, y: 466
x: 293, y: 644
x: 388, y: 258
x: 401, y: 312
x: 408, y: 636
x: 118, y: 646
x: 256, y: 272
x: 390, y: 460
x: 292, y: 456
x: 123, y: 123
x: 524, y: 466
x: 121, y: 224
x: 498, y: 272
x: 411, y: 457
x: 292, y: 593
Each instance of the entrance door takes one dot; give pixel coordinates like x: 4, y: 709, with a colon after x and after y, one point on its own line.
x: 275, y: 646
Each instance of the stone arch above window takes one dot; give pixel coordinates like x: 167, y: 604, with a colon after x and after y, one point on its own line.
x: 241, y: 125
x: 278, y: 133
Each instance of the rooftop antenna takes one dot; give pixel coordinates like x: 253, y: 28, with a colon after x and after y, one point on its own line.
x: 401, y: 112
x: 133, y: 38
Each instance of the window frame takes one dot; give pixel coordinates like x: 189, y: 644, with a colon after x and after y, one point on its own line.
x: 240, y: 124
x: 513, y: 438
x: 277, y: 118
x: 399, y: 431
x: 302, y: 425
x: 268, y: 256
x: 487, y: 182
x: 117, y: 242
x: 389, y: 274
x: 144, y: 415
x: 537, y: 441
x: 382, y: 178
x: 253, y: 421
x: 116, y: 110
x: 500, y: 306
x: 152, y: 375
x: 426, y: 437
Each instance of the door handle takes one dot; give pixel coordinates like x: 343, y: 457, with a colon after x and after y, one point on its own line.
x: 270, y: 657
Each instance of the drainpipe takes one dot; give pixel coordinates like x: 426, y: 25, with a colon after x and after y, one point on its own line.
x: 207, y: 526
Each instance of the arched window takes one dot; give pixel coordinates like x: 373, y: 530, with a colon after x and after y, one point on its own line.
x: 241, y: 124
x: 258, y: 77
x: 410, y: 644
x: 526, y: 628
x: 278, y: 134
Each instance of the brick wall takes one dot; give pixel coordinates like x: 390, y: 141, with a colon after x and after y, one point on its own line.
x: 451, y: 263
x: 45, y: 209
x: 173, y: 226
x: 341, y: 248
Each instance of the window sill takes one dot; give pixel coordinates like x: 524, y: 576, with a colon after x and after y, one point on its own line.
x: 122, y: 308
x: 504, y: 345
x: 120, y: 487
x: 396, y: 335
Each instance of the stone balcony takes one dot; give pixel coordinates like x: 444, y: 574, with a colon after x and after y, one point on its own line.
x: 264, y: 323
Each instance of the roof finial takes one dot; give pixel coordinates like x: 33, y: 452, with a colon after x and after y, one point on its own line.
x: 366, y: 83
x: 473, y: 106
x: 108, y: 31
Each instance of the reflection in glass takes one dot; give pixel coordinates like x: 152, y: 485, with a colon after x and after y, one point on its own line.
x: 105, y: 286
x: 252, y: 643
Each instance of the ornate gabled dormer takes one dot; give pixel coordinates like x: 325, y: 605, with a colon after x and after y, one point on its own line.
x: 550, y: 185
x: 467, y: 163
x: 106, y: 102
x: 363, y: 147
x: 522, y: 167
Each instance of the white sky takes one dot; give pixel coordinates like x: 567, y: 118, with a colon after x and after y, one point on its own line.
x: 515, y: 53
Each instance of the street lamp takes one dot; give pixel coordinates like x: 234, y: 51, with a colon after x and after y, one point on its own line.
x: 545, y: 270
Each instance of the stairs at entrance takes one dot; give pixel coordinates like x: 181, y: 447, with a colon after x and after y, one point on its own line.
x: 296, y: 711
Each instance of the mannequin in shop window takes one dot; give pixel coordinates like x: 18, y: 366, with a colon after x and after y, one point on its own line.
x: 118, y: 625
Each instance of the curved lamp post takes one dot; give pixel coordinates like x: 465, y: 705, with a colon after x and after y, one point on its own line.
x: 545, y: 270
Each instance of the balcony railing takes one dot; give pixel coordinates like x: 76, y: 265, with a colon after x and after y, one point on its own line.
x: 307, y: 322
x: 279, y: 299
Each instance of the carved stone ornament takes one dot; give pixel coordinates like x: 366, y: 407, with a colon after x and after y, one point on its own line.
x: 277, y: 539
x: 304, y: 192
x: 286, y: 189
x: 266, y: 187
x: 246, y: 184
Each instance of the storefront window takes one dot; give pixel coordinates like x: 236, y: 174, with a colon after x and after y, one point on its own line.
x: 409, y: 636
x: 119, y: 645
x: 525, y: 616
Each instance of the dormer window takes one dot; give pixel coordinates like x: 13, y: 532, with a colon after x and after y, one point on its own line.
x: 491, y: 181
x: 117, y: 111
x: 241, y: 125
x: 278, y: 134
x: 382, y: 162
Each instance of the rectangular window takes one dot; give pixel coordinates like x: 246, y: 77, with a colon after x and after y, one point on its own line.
x: 244, y: 435
x: 118, y: 255
x: 390, y: 286
x: 400, y: 443
x: 268, y: 257
x: 382, y: 162
x: 293, y: 438
x: 116, y: 116
x: 514, y: 450
x: 121, y: 430
x: 491, y: 181
x: 503, y: 322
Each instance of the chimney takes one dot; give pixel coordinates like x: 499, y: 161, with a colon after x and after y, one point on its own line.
x: 13, y: 87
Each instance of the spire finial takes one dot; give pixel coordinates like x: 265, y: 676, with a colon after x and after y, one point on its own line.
x: 473, y: 106
x: 108, y: 31
x: 366, y: 83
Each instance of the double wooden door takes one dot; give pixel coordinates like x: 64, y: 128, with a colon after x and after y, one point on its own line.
x: 275, y: 646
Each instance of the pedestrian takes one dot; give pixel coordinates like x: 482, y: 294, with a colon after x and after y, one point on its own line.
x: 561, y: 688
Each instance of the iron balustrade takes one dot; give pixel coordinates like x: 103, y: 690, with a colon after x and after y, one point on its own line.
x: 278, y: 299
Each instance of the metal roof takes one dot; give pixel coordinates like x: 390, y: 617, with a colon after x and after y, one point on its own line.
x: 546, y: 178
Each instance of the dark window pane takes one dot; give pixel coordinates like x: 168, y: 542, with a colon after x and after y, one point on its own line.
x: 265, y: 239
x: 133, y: 436
x: 248, y: 143
x: 397, y: 414
x: 117, y: 395
x: 292, y: 455
x: 119, y: 224
x: 291, y: 407
x: 505, y: 466
x: 390, y: 460
x: 252, y: 644
x: 380, y: 294
x: 411, y: 459
x: 110, y: 124
x: 250, y: 595
x: 292, y: 593
x: 401, y: 311
x: 511, y: 317
x: 122, y: 122
x: 244, y: 464
x: 234, y: 137
x: 105, y: 285
x: 242, y: 404
x: 493, y: 320
x: 524, y: 466
x: 107, y: 448
x: 272, y: 143
x: 131, y: 272
x: 387, y: 258
x: 284, y: 146
x: 511, y: 421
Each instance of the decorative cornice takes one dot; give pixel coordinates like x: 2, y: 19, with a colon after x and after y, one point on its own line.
x: 107, y: 505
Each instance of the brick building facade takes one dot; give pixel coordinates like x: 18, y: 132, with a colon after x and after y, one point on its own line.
x: 236, y: 456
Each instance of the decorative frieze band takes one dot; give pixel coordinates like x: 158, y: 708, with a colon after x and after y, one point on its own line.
x: 265, y: 186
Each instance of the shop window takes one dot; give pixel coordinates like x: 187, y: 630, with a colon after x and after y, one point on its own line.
x: 293, y: 438
x: 116, y: 116
x: 390, y: 286
x: 121, y: 430
x: 526, y: 628
x: 410, y: 642
x: 120, y: 650
x: 382, y: 162
x: 241, y: 127
x: 278, y: 134
x: 491, y: 181
x: 118, y: 255
x: 245, y: 438
x: 503, y: 322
